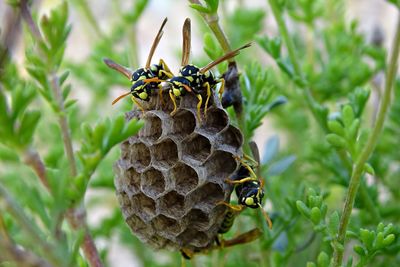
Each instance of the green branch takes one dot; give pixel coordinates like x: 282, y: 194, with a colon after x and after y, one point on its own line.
x: 372, y: 141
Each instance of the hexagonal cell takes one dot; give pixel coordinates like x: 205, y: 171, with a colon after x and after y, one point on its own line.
x: 145, y: 205
x: 140, y: 155
x: 230, y: 139
x: 172, y: 203
x: 196, y: 148
x: 132, y: 180
x: 123, y: 199
x: 152, y: 129
x: 165, y: 154
x: 215, y: 121
x: 197, y: 219
x: 220, y: 165
x: 192, y: 237
x: 186, y: 178
x: 152, y: 182
x: 162, y: 223
x: 142, y: 229
x: 125, y: 152
x: 183, y: 124
x: 157, y: 241
x: 209, y: 193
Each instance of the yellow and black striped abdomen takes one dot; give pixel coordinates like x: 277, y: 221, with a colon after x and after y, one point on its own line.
x: 227, y: 222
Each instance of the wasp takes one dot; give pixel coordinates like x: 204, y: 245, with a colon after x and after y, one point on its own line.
x: 144, y: 80
x: 249, y: 188
x: 243, y: 238
x: 191, y: 78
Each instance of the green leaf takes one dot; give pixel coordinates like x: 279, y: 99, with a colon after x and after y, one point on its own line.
x: 369, y: 169
x: 336, y: 140
x: 28, y: 126
x: 271, y: 149
x: 347, y: 116
x: 200, y: 8
x: 277, y: 168
x: 303, y: 209
x: 388, y: 240
x: 323, y: 259
x: 333, y: 224
x: 336, y: 127
x: 359, y: 250
x: 315, y: 215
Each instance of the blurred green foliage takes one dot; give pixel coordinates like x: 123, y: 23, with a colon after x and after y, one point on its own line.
x: 320, y: 105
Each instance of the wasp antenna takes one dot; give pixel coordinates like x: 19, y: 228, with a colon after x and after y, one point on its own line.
x: 186, y: 45
x: 120, y: 97
x: 266, y: 216
x: 155, y: 43
x: 121, y: 69
x: 224, y: 57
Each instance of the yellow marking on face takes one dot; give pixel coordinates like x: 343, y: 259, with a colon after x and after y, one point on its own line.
x: 142, y: 78
x: 190, y: 78
x: 143, y: 95
x: 177, y: 92
x: 249, y: 201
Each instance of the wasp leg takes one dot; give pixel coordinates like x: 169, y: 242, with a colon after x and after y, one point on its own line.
x: 232, y: 207
x: 246, y: 166
x: 138, y: 104
x: 160, y: 95
x: 199, y: 106
x: 173, y: 98
x: 254, y: 162
x: 166, y: 71
x: 244, y: 238
x: 222, y: 88
x: 241, y: 181
x: 208, y: 98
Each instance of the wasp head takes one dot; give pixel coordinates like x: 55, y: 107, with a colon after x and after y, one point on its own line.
x: 251, y: 195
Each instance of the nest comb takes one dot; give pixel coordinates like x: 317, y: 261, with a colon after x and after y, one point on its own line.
x: 171, y: 174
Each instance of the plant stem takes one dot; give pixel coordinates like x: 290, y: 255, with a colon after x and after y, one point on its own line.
x: 18, y: 214
x: 212, y: 21
x: 12, y: 252
x: 76, y: 216
x: 32, y: 159
x: 88, y: 14
x: 311, y: 102
x: 367, y: 151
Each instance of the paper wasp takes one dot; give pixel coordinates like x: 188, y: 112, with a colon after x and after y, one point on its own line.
x: 191, y: 78
x: 249, y: 186
x: 147, y: 79
x: 244, y: 238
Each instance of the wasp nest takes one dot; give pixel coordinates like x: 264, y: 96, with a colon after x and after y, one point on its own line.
x: 171, y: 175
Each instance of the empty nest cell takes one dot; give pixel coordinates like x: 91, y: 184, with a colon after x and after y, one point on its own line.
x: 140, y: 155
x: 196, y: 148
x: 186, y: 178
x: 183, y: 124
x: 137, y: 225
x: 152, y: 182
x: 192, y: 237
x: 230, y: 139
x: 172, y: 203
x: 208, y: 194
x: 220, y: 166
x: 133, y: 180
x: 145, y: 205
x: 215, y: 121
x: 197, y: 219
x: 151, y: 130
x: 162, y: 223
x: 165, y: 154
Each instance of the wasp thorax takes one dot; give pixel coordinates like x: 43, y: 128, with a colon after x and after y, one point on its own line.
x: 171, y: 175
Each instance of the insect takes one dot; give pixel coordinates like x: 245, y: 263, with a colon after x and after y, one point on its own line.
x: 191, y: 78
x: 246, y: 237
x: 144, y: 80
x: 249, y: 187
